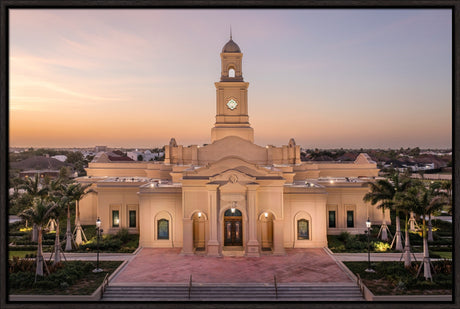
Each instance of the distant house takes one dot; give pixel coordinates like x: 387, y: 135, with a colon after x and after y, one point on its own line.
x: 41, y: 173
x: 61, y: 158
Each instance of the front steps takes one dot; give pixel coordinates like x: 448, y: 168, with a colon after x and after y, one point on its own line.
x: 233, y: 251
x: 234, y: 292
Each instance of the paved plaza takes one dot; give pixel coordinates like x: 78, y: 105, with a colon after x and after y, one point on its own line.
x: 152, y: 266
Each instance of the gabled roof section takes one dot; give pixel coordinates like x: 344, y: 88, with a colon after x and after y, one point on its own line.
x: 232, y: 163
x: 232, y: 146
x: 364, y: 158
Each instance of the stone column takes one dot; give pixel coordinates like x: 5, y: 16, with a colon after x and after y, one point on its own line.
x: 252, y: 247
x: 187, y: 247
x: 213, y: 210
x: 278, y: 237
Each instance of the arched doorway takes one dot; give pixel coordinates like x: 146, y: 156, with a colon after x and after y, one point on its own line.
x: 266, y: 231
x: 199, y: 227
x: 233, y: 228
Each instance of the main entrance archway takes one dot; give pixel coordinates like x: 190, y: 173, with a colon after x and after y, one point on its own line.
x: 233, y: 228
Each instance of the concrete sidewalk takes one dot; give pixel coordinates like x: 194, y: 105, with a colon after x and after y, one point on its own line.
x: 73, y: 256
x: 375, y: 257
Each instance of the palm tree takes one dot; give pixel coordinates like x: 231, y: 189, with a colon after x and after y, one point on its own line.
x: 34, y: 188
x: 76, y: 192
x: 56, y: 194
x: 447, y: 187
x: 385, y: 192
x: 39, y: 214
x: 408, y: 209
x: 423, y: 201
x: 380, y: 192
x: 435, y: 190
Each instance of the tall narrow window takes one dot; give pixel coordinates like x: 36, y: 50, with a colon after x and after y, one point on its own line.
x: 163, y: 229
x: 231, y: 73
x: 350, y: 219
x: 302, y: 229
x: 132, y: 218
x: 115, y: 218
x: 332, y: 218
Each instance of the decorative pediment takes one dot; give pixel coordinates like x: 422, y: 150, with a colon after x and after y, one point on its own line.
x: 235, y: 164
x: 233, y: 176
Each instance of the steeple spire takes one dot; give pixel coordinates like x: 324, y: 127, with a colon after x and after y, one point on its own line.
x: 230, y: 32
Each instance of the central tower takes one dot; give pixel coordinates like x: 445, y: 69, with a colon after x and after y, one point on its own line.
x: 232, y: 97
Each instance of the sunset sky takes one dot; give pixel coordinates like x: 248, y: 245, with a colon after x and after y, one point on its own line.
x: 135, y: 78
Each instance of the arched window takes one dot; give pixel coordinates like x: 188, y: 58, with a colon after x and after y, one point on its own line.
x: 163, y: 229
x: 303, y: 229
x: 233, y: 212
x: 231, y: 72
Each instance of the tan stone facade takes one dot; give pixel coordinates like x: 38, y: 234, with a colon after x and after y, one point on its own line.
x: 231, y: 194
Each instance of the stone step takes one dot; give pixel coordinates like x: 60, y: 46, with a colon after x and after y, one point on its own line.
x: 207, y: 292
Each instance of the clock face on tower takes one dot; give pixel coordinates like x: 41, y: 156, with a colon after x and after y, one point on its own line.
x: 232, y: 104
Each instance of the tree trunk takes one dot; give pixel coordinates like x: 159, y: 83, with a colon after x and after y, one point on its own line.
x: 39, y: 268
x: 78, y: 238
x: 407, y: 251
x: 426, y: 254
x: 398, y: 246
x: 68, y: 234
x: 34, y: 233
x: 430, y: 229
x: 57, y: 245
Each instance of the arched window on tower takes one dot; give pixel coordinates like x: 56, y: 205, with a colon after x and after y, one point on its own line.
x: 231, y: 72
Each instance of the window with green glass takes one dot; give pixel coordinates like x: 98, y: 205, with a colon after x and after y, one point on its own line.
x: 163, y: 229
x: 332, y: 218
x: 115, y: 218
x: 350, y: 219
x: 302, y: 229
x: 132, y: 218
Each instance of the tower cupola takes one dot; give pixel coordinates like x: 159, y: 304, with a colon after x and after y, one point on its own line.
x: 231, y: 58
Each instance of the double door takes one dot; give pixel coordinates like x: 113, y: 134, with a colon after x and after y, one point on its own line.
x: 233, y: 232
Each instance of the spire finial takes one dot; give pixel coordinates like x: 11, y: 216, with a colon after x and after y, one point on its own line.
x: 230, y: 32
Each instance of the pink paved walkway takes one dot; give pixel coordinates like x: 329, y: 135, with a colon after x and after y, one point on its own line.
x: 166, y: 265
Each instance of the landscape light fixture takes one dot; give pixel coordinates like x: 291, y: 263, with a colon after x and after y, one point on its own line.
x: 98, y: 235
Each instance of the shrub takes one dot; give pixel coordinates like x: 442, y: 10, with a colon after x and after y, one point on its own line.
x: 123, y: 235
x: 20, y: 265
x: 381, y: 246
x: 21, y: 279
x: 344, y: 236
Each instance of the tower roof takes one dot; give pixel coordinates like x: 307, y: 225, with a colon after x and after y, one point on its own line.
x: 231, y: 47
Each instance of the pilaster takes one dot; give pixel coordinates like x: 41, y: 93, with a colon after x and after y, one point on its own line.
x: 213, y: 243
x: 252, y: 247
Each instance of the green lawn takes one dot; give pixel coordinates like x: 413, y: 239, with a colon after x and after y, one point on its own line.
x: 20, y: 254
x: 444, y: 254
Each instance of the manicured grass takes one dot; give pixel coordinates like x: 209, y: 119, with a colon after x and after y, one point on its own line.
x: 20, y: 254
x: 443, y: 254
x: 85, y: 283
x: 391, y: 278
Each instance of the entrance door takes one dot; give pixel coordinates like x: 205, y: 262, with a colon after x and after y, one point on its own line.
x: 233, y: 232
x: 233, y: 228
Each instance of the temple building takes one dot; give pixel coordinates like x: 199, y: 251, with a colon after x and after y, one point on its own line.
x: 231, y: 195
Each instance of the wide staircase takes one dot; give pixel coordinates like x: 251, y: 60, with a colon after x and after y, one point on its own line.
x: 234, y: 292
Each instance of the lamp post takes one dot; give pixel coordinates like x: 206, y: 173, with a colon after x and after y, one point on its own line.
x: 98, y: 234
x: 368, y: 225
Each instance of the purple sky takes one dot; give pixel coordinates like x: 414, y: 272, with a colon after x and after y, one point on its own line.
x: 135, y: 78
